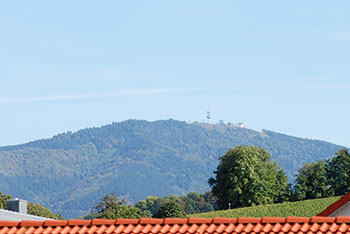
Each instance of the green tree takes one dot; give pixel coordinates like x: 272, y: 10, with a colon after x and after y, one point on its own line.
x: 3, y: 199
x: 338, y: 173
x: 39, y: 210
x: 170, y: 208
x: 245, y: 177
x: 311, y: 182
x: 112, y: 207
x: 150, y: 205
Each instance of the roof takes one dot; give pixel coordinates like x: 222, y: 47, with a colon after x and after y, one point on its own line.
x: 336, y: 206
x: 289, y: 225
x: 15, y: 216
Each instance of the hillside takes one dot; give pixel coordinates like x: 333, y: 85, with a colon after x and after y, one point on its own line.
x: 307, y: 208
x: 71, y: 171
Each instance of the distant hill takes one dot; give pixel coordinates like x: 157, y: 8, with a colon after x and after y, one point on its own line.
x: 71, y: 171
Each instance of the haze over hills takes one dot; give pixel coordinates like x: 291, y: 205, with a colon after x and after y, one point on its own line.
x: 71, y: 171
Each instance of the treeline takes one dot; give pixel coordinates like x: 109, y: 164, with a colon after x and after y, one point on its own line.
x: 324, y: 178
x: 245, y: 177
x: 113, y: 207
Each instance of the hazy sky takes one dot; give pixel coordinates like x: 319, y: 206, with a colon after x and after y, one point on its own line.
x: 277, y: 65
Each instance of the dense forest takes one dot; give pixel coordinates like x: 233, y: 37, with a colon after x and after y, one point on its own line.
x: 135, y: 159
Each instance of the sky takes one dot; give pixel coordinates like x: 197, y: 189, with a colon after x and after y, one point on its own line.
x: 277, y: 65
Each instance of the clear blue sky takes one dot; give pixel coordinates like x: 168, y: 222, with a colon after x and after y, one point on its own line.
x: 278, y: 65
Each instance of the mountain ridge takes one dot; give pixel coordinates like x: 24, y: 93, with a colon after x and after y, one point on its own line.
x: 136, y: 158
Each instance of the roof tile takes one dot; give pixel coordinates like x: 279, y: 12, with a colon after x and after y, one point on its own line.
x: 296, y: 227
x: 102, y: 229
x: 320, y: 219
x: 129, y: 229
x: 194, y: 220
x: 277, y: 227
x: 65, y: 230
x: 55, y: 223
x: 119, y: 229
x: 224, y: 220
x: 324, y: 227
x: 174, y: 228
x: 151, y: 221
x: 267, y: 227
x: 286, y: 227
x: 212, y: 227
x: 192, y: 228
x: 167, y: 227
x: 183, y: 229
x: 26, y: 223
x: 83, y: 230
x: 156, y: 228
x: 102, y: 221
x: 4, y: 223
x: 294, y: 219
x: 273, y: 220
x: 57, y: 230
x: 314, y: 227
x: 248, y: 228
x: 146, y: 228
x: 175, y: 220
x: 239, y: 228
x: 221, y: 228
x: 333, y: 227
x: 258, y: 227
x: 74, y: 230
x: 127, y: 221
x: 12, y: 230
x: 73, y: 222
x: 248, y: 220
x: 343, y: 219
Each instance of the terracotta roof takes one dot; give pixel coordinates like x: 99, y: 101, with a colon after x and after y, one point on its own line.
x: 336, y: 205
x: 271, y: 225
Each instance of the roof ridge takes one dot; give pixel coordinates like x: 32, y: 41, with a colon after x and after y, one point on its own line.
x: 170, y: 221
x: 335, y: 206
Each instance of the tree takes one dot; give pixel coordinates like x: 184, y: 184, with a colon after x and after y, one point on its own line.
x: 150, y: 205
x: 311, y: 182
x: 170, y: 208
x: 245, y: 177
x: 338, y: 173
x: 111, y: 207
x: 39, y: 210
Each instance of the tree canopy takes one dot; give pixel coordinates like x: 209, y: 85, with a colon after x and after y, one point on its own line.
x: 338, y: 173
x: 112, y: 207
x: 170, y: 209
x: 246, y: 176
x: 311, y: 181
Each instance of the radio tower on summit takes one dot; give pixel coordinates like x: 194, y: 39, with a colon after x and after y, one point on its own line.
x: 208, y: 113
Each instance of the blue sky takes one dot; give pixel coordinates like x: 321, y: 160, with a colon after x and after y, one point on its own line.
x: 277, y: 65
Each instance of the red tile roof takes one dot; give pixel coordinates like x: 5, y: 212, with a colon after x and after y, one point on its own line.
x: 271, y: 225
x: 335, y: 206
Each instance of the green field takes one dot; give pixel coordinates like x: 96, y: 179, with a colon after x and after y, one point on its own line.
x: 306, y: 208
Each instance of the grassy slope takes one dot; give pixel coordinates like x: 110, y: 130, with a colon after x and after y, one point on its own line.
x: 306, y: 208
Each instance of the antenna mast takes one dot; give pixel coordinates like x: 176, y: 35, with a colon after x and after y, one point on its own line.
x: 208, y: 113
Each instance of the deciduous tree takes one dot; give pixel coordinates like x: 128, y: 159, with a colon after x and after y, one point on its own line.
x: 246, y: 176
x: 338, y: 173
x: 311, y: 182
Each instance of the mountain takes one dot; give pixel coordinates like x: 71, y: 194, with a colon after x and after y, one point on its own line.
x: 71, y: 171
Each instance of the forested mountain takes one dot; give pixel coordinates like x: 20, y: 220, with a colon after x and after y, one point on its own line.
x: 71, y: 171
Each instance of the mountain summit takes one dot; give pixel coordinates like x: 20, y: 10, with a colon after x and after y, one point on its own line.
x: 69, y: 172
